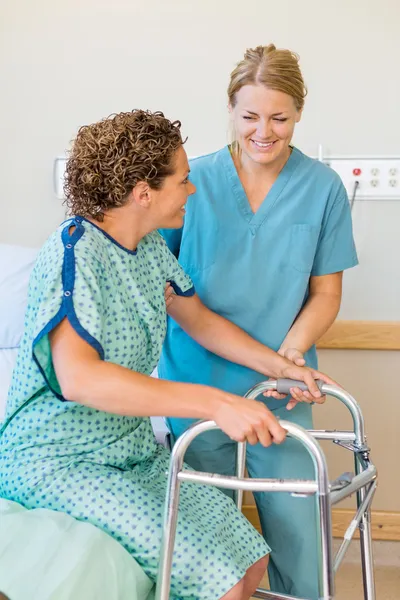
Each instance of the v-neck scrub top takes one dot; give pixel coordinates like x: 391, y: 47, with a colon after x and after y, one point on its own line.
x: 254, y: 268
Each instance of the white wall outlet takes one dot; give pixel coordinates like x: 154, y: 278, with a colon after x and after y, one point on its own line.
x: 378, y: 178
x: 58, y: 176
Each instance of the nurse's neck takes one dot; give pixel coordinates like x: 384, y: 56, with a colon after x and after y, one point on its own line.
x: 258, y: 178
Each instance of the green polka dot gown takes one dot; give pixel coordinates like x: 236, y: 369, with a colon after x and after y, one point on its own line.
x: 97, y: 466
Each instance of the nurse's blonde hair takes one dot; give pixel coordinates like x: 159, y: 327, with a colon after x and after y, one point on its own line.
x: 277, y: 69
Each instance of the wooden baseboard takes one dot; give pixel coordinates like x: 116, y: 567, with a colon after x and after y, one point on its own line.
x: 362, y: 335
x: 385, y: 524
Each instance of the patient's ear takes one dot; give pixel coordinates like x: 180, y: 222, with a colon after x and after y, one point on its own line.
x: 141, y: 195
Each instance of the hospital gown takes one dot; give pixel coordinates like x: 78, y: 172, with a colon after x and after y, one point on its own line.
x: 97, y: 466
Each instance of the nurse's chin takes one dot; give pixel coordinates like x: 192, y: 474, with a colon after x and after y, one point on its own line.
x: 261, y: 159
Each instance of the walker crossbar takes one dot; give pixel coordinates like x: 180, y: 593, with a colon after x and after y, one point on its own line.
x: 363, y: 483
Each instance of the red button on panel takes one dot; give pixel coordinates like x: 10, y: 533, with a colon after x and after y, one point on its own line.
x: 357, y: 172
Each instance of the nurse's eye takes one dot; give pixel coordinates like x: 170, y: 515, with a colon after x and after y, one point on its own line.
x: 186, y: 180
x: 248, y: 118
x: 280, y: 120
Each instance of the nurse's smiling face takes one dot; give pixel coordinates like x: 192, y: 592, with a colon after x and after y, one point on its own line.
x: 264, y: 122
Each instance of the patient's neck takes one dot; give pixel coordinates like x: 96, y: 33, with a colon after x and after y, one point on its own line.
x: 124, y: 226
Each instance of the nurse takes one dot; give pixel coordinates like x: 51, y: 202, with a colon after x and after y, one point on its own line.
x: 266, y: 239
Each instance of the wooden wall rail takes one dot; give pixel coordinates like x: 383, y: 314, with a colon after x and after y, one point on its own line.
x: 362, y: 335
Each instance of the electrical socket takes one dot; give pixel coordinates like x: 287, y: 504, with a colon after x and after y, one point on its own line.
x: 379, y: 178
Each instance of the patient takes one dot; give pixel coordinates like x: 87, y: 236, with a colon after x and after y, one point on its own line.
x: 77, y: 436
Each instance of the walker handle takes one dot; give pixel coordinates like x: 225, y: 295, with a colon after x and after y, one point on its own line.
x: 283, y: 385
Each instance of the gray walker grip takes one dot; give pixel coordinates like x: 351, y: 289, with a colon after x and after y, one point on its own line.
x: 283, y: 385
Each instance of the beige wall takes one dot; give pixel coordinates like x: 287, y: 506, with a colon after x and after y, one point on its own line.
x: 64, y: 64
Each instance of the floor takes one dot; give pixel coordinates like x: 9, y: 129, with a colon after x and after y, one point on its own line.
x: 387, y: 572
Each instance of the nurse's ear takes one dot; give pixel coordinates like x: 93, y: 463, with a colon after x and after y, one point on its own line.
x: 299, y: 114
x: 141, y: 194
x: 231, y: 126
x: 230, y: 111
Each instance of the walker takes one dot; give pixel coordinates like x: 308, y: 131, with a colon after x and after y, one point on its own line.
x: 326, y: 493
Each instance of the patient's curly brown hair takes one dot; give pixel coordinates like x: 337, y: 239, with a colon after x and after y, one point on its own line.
x: 108, y: 159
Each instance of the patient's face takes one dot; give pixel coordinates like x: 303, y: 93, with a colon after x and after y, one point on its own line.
x: 168, y: 203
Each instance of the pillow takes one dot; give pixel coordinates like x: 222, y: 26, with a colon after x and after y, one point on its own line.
x: 7, y: 362
x: 16, y: 263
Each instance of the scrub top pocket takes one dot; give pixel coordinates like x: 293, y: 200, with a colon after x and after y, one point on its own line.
x: 303, y: 246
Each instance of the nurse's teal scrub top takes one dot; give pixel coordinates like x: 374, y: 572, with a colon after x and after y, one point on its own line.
x: 254, y: 268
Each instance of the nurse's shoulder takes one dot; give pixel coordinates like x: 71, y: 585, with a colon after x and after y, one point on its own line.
x: 207, y: 167
x: 322, y: 174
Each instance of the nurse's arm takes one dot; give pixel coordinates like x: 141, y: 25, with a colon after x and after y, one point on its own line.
x: 318, y: 313
x: 222, y: 337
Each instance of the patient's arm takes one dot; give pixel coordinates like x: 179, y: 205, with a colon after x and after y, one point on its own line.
x: 88, y: 380
x: 85, y: 378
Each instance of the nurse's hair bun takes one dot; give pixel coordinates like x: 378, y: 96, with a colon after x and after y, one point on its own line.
x: 259, y: 52
x: 277, y: 69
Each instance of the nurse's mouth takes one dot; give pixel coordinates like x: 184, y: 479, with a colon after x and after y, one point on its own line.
x: 263, y: 146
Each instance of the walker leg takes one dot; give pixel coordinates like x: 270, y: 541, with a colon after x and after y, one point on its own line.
x: 367, y: 560
x: 240, y: 470
x: 367, y: 557
x: 325, y: 566
x: 163, y: 584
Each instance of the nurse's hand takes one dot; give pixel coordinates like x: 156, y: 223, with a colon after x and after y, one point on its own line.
x: 309, y: 376
x: 296, y: 357
x: 168, y: 294
x: 245, y: 420
x: 304, y: 374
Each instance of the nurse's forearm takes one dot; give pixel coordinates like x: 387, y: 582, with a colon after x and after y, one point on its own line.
x: 222, y: 337
x: 313, y: 321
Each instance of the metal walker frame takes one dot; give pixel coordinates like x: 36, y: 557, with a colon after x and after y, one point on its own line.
x: 326, y: 494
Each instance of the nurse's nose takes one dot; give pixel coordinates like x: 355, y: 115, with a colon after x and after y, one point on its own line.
x: 264, y: 129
